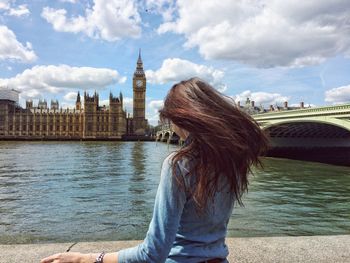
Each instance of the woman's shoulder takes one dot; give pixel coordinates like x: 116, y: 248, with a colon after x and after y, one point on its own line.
x: 169, y: 158
x: 183, y: 164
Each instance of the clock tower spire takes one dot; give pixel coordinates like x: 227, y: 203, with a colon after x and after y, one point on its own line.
x: 139, y: 99
x: 139, y: 67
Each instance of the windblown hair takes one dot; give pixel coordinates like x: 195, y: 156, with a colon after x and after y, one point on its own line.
x: 225, y: 141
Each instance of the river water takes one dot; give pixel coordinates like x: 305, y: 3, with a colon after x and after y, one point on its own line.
x: 91, y: 191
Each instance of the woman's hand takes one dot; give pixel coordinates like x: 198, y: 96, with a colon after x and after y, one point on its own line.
x: 69, y: 257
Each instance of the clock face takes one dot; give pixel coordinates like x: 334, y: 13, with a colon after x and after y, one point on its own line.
x: 139, y: 83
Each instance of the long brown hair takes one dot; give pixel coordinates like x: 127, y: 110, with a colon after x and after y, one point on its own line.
x: 225, y: 141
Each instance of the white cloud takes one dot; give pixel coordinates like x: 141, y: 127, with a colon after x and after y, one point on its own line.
x: 260, y: 98
x: 21, y: 10
x: 54, y: 79
x: 264, y: 33
x: 70, y: 96
x: 10, y: 10
x: 152, y: 114
x: 128, y: 104
x: 155, y: 105
x: 338, y: 95
x: 67, y: 105
x: 152, y: 119
x: 109, y: 20
x: 175, y: 69
x: 166, y: 8
x: 11, y: 49
x: 4, y: 4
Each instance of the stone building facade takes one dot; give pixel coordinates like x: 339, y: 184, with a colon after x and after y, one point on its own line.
x: 87, y: 121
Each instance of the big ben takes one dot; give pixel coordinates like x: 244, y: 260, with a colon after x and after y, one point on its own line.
x: 139, y: 98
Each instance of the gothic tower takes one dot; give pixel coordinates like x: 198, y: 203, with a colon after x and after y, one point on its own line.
x: 90, y: 114
x: 78, y: 102
x: 139, y: 98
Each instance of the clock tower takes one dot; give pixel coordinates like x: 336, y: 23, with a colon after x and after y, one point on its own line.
x: 139, y: 98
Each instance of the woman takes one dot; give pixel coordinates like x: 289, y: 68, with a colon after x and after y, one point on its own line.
x: 199, y: 183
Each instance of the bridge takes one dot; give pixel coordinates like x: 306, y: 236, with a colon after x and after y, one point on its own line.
x: 320, y: 133
x: 167, y: 135
x: 321, y: 126
x: 327, y: 126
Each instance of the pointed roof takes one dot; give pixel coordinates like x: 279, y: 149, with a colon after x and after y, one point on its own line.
x: 139, y: 60
x: 139, y: 67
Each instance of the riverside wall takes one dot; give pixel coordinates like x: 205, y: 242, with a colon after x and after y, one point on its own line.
x: 305, y: 249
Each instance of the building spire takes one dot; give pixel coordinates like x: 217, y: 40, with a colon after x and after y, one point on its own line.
x: 139, y: 59
x: 139, y: 67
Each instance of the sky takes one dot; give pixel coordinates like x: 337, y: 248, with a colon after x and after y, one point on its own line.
x: 268, y: 50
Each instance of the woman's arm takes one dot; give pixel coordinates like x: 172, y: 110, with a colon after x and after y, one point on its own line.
x: 74, y: 257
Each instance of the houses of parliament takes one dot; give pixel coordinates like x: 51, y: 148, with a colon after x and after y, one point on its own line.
x: 88, y: 120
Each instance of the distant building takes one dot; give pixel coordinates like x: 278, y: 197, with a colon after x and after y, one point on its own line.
x: 87, y: 121
x: 250, y: 107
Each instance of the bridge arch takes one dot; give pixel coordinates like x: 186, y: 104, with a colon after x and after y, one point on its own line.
x: 166, y: 136
x: 308, y: 134
x: 322, y: 127
x: 159, y: 136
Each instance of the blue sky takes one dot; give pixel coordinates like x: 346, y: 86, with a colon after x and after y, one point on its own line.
x: 268, y: 50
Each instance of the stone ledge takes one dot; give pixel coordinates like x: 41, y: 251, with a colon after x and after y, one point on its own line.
x: 305, y: 249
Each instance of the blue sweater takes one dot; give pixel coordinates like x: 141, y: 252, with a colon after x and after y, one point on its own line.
x: 177, y: 233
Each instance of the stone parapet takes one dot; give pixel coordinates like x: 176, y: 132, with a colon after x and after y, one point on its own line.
x: 305, y: 249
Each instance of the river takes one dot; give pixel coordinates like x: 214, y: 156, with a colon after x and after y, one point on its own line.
x: 91, y: 191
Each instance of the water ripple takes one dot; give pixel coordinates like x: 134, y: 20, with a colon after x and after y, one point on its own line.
x: 48, y: 190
